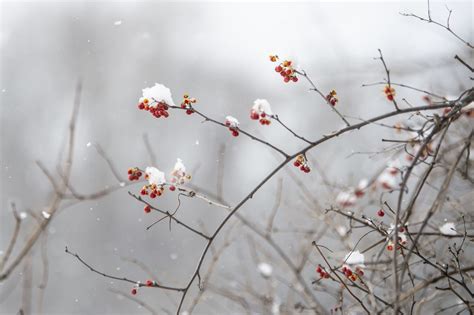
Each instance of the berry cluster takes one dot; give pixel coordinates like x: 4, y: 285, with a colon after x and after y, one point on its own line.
x: 149, y: 283
x: 179, y: 175
x: 332, y: 98
x: 285, y: 69
x: 352, y: 275
x: 186, y: 104
x: 389, y: 92
x: 134, y: 173
x: 302, y: 163
x: 402, y: 238
x: 233, y: 125
x: 262, y: 117
x: 152, y: 190
x: 261, y: 111
x: 157, y: 109
x: 322, y: 272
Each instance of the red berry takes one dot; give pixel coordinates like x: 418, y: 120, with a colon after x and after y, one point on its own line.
x: 141, y: 106
x: 297, y: 163
x: 278, y: 68
x: 326, y: 275
x: 254, y: 115
x: 147, y: 209
x: 286, y: 79
x: 189, y: 111
x: 149, y: 283
x: 172, y: 188
x: 130, y: 172
x: 134, y: 291
x: 235, y: 133
x: 380, y: 213
x: 153, y: 195
x: 390, y: 97
x: 390, y: 247
x: 131, y: 177
x: 143, y: 192
x: 294, y: 79
x: 319, y: 270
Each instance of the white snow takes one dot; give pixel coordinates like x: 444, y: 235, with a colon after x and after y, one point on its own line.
x: 265, y: 269
x: 231, y: 122
x: 341, y: 230
x: 117, y: 23
x: 159, y: 93
x: 45, y: 214
x: 448, y: 229
x: 179, y: 169
x: 387, y: 180
x: 363, y: 183
x: 155, y: 176
x: 346, y: 198
x: 355, y: 258
x: 262, y: 106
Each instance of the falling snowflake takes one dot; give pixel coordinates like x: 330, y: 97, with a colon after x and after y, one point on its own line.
x: 265, y: 269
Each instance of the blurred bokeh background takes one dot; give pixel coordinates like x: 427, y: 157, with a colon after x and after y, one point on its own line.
x: 218, y: 53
